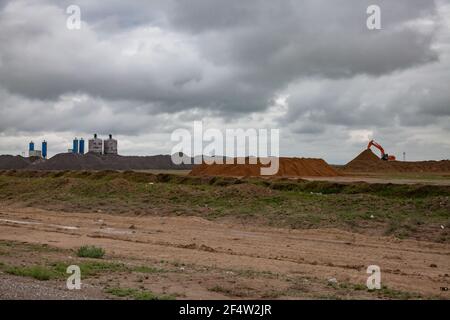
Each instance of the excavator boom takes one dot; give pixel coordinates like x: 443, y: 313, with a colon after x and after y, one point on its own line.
x: 384, y: 156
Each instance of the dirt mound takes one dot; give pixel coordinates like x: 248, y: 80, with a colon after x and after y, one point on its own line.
x: 69, y: 161
x: 288, y: 167
x: 367, y: 161
x: 367, y: 155
x: 421, y: 166
x: 90, y: 161
x: 8, y: 162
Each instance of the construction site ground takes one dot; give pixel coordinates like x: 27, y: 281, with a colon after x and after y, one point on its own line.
x: 429, y: 178
x: 442, y: 179
x: 170, y: 238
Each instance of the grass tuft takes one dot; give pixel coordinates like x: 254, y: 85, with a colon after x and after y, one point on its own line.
x: 145, y: 269
x: 37, y: 272
x: 90, y: 252
x: 137, y: 294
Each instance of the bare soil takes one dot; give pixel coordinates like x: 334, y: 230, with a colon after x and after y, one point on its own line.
x: 368, y: 177
x: 208, y: 260
x: 367, y: 161
x: 288, y: 167
x: 91, y: 161
x: 8, y: 162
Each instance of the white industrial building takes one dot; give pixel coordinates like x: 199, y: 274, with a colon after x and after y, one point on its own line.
x: 110, y: 145
x: 35, y: 153
x: 96, y: 145
x: 99, y: 146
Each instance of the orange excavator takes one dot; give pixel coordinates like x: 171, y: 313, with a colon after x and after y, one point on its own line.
x: 384, y: 156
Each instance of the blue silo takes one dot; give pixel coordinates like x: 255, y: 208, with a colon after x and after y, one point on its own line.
x: 44, y: 149
x: 81, y: 146
x: 31, y: 146
x: 75, y: 146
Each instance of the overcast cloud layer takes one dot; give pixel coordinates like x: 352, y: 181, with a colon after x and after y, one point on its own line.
x: 311, y: 68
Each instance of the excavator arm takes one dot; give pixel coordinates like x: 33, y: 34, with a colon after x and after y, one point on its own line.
x: 384, y: 156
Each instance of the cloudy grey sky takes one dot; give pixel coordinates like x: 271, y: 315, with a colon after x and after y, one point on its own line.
x: 311, y: 68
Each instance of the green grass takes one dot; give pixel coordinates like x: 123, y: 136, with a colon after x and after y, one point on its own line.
x: 146, y: 269
x: 90, y: 252
x: 57, y: 270
x: 383, y: 293
x: 137, y: 294
x: 221, y: 289
x: 234, y: 291
x: 389, y: 293
x: 9, y: 247
x: 37, y: 272
x: 90, y: 268
x: 411, y: 211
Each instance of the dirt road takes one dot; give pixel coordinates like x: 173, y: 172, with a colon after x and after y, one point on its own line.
x: 408, y: 265
x: 373, y: 178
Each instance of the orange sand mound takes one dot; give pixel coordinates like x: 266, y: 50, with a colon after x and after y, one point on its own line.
x: 288, y: 167
x: 367, y: 161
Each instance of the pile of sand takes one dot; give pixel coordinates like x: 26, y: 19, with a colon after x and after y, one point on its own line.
x: 367, y: 161
x: 90, y: 161
x: 288, y: 167
x: 8, y: 162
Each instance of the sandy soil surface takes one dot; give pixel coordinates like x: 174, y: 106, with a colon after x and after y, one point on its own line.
x: 374, y: 179
x: 13, y: 288
x: 407, y: 265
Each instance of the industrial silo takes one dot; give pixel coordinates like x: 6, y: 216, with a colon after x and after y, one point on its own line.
x: 31, y: 151
x: 81, y: 146
x: 44, y: 149
x: 110, y: 145
x: 75, y: 146
x: 96, y: 145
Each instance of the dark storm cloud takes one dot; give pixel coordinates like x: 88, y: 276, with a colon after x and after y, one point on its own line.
x: 416, y: 97
x: 291, y: 39
x: 237, y: 54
